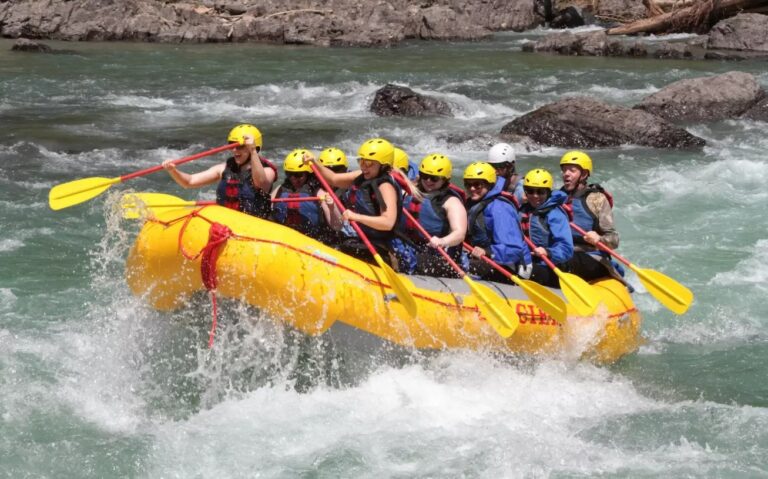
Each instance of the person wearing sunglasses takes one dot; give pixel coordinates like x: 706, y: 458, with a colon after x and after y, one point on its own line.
x: 374, y: 200
x: 311, y: 218
x: 493, y: 226
x: 244, y: 180
x: 591, y: 208
x: 546, y: 224
x: 440, y: 210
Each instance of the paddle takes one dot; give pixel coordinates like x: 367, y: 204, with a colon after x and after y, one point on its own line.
x: 78, y: 191
x: 545, y: 299
x: 134, y: 204
x: 676, y: 297
x: 497, y: 312
x: 401, y: 291
x: 579, y: 293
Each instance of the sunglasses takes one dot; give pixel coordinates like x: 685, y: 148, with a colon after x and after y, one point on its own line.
x: 468, y: 185
x: 536, y: 191
x: 295, y: 174
x: 432, y: 178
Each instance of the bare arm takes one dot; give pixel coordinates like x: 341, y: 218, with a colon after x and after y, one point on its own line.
x: 263, y: 178
x: 386, y: 220
x: 457, y: 219
x: 196, y: 180
x: 337, y: 180
x: 326, y: 208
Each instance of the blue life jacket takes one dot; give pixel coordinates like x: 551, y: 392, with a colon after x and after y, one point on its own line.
x: 431, y: 215
x: 237, y: 191
x: 413, y: 171
x: 579, y: 213
x: 303, y: 216
x: 493, y: 224
x: 547, y: 226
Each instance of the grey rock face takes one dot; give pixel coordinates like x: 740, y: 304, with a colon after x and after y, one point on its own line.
x: 704, y: 99
x: 745, y: 31
x: 394, y: 100
x: 313, y: 22
x: 583, y: 122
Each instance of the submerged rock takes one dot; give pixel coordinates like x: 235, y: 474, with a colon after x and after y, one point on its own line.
x: 584, y: 122
x: 24, y: 45
x: 705, y: 99
x: 394, y: 100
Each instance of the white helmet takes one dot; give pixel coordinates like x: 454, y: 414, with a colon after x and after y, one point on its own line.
x: 501, y: 153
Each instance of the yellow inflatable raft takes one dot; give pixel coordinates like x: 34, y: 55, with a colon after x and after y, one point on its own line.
x: 315, y: 288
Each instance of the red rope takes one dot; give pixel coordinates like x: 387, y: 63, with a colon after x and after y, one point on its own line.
x: 218, y: 234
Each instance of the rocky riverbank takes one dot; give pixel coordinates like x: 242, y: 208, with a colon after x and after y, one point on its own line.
x: 744, y: 36
x: 369, y: 23
x: 322, y: 23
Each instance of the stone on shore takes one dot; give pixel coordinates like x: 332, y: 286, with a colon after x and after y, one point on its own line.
x: 583, y: 122
x: 395, y: 100
x: 745, y: 31
x: 705, y: 99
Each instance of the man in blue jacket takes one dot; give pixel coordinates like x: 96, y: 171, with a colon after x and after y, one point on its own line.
x: 493, y: 227
x: 545, y: 222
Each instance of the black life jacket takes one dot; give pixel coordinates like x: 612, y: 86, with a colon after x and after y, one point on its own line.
x: 237, y: 191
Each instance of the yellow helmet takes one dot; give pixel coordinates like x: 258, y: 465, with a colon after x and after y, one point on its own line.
x: 294, y: 162
x: 379, y: 150
x: 538, y: 178
x: 480, y: 171
x: 437, y: 165
x: 237, y: 135
x: 401, y: 160
x: 578, y: 158
x: 331, y: 157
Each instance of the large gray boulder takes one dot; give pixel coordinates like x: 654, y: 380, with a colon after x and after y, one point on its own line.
x: 745, y: 31
x: 395, y: 100
x: 704, y: 99
x: 583, y: 122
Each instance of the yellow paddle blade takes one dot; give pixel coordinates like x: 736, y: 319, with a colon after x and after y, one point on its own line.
x: 580, y: 294
x: 666, y: 290
x: 494, y: 309
x: 78, y: 191
x: 546, y: 299
x: 138, y: 205
x: 401, y: 291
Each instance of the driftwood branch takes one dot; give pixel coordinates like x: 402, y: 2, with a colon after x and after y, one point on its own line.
x: 653, y: 7
x: 308, y: 10
x: 698, y: 17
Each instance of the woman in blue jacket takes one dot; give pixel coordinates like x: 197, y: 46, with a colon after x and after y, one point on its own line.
x: 545, y: 222
x: 493, y: 226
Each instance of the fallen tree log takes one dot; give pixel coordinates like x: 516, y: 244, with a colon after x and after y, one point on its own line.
x: 697, y: 18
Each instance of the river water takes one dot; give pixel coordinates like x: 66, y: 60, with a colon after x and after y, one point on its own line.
x: 93, y: 383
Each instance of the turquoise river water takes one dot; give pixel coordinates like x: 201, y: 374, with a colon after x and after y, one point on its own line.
x: 94, y: 383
